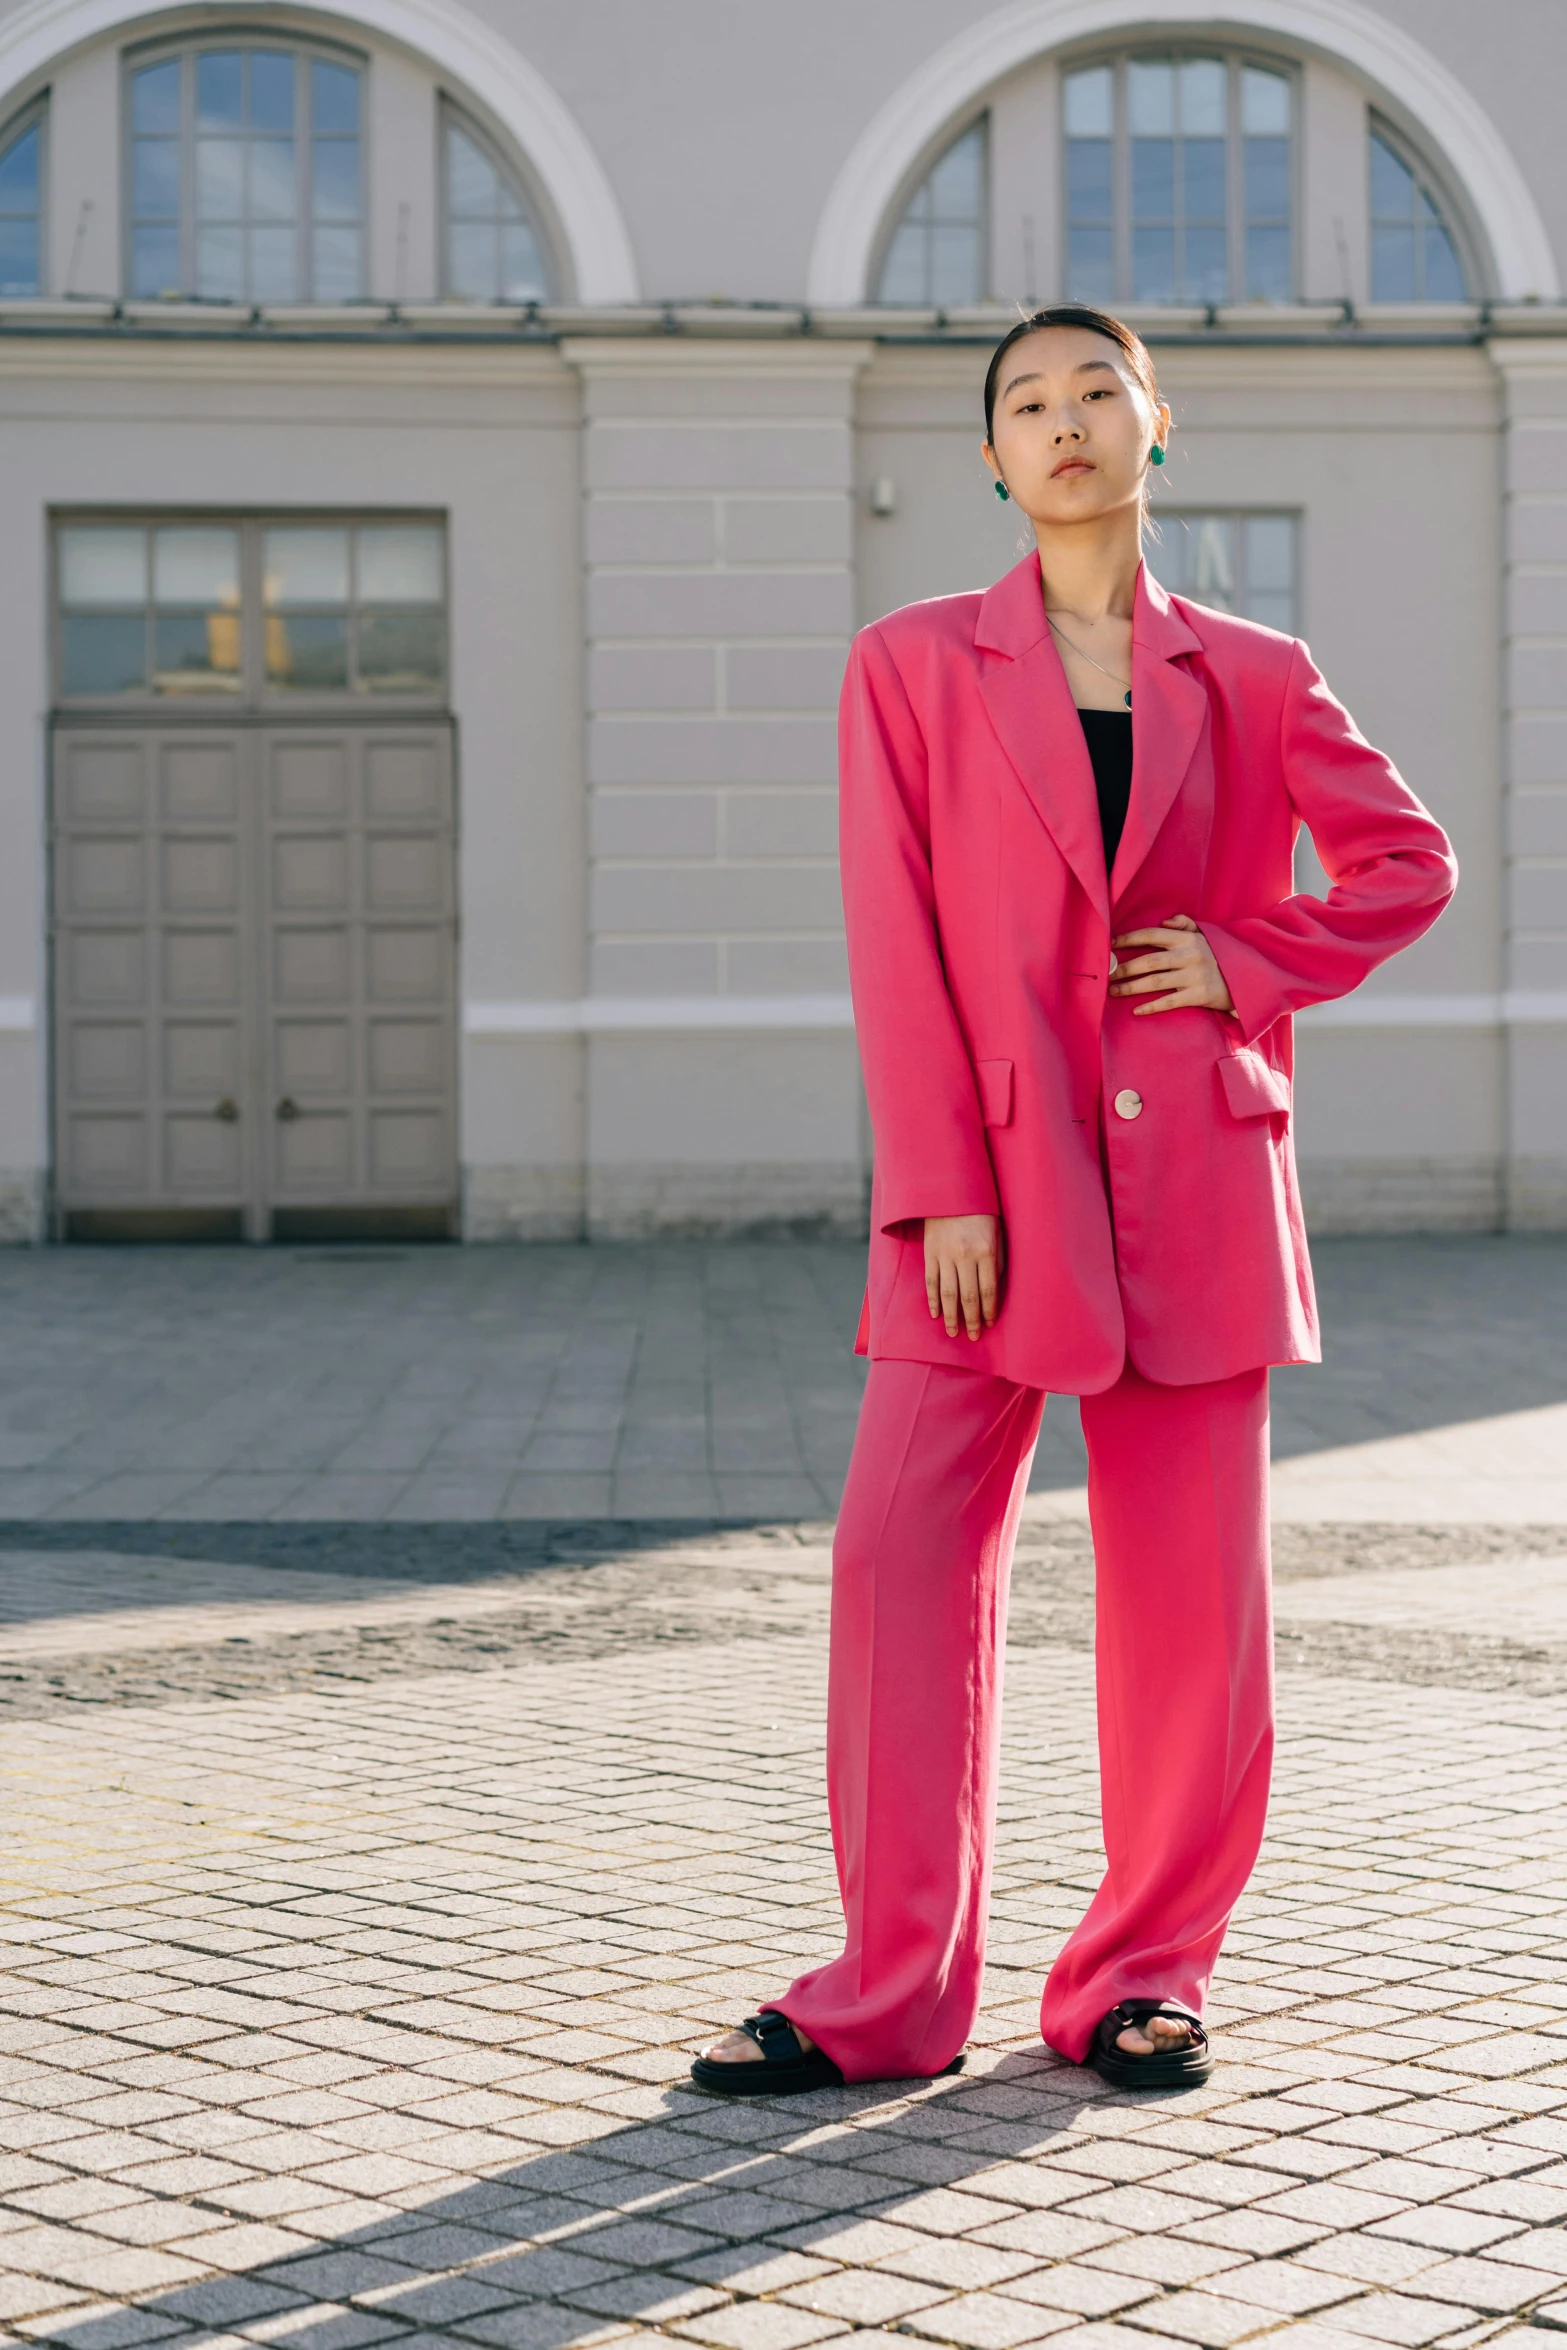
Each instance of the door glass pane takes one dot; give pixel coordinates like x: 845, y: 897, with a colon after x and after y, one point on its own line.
x: 1265, y: 103
x: 220, y: 179
x: 334, y: 183
x: 1150, y: 97
x: 103, y: 652
x: 272, y: 179
x: 399, y: 564
x: 103, y: 565
x: 155, y: 177
x: 305, y: 567
x: 220, y: 264
x: 335, y: 264
x: 198, y: 566
x: 1203, y: 89
x: 307, y: 652
x: 400, y: 652
x: 274, y: 257
x: 155, y: 261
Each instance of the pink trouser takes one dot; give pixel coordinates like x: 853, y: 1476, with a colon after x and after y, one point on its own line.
x: 1177, y: 1493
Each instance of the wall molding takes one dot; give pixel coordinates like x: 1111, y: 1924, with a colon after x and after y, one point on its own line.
x: 587, y: 1016
x: 448, y: 36
x: 938, y: 92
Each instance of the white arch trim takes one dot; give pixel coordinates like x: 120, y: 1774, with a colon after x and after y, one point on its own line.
x: 1460, y: 131
x: 455, y: 42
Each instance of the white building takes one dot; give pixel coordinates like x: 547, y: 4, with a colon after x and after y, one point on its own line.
x: 447, y: 445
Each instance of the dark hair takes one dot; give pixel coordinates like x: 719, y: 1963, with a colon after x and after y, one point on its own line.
x: 1096, y: 322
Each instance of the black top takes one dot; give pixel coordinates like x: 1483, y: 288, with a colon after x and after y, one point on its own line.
x: 1108, y: 734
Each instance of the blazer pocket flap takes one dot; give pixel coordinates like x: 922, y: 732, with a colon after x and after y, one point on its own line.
x: 995, y: 1091
x: 1253, y: 1088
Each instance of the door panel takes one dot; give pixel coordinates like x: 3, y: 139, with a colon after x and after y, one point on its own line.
x: 254, y: 971
x: 359, y: 828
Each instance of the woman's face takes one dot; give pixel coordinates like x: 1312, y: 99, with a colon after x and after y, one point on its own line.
x: 1073, y: 426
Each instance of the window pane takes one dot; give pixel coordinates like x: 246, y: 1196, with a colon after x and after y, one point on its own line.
x: 954, y: 265
x: 1207, y: 274
x: 18, y: 256
x: 1090, y: 265
x: 1204, y: 85
x: 334, y: 97
x: 1392, y: 264
x: 1270, y: 554
x: 1153, y: 179
x: 155, y: 97
x: 155, y: 262
x: 19, y: 176
x: 220, y: 264
x: 220, y: 179
x: 271, y: 179
x: 274, y: 265
x: 195, y: 567
x: 1202, y: 178
x: 1090, y: 103
x: 1392, y: 185
x: 399, y: 563
x: 304, y: 567
x: 155, y: 178
x: 103, y: 565
x: 954, y: 181
x: 196, y: 652
x: 400, y: 652
x: 1270, y: 275
x: 1265, y: 103
x: 1267, y: 169
x: 1153, y: 265
x: 1444, y: 278
x: 471, y: 263
x: 103, y: 653
x: 1150, y: 97
x: 335, y: 265
x: 1088, y: 179
x: 308, y: 651
x: 271, y: 90
x: 1211, y: 561
x: 334, y: 179
x: 522, y: 270
x: 220, y: 90
x: 472, y: 182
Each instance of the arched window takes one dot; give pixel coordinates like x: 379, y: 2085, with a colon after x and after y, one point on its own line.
x: 21, y: 205
x: 493, y: 251
x: 246, y: 175
x: 1179, y: 180
x: 1413, y: 256
x: 937, y: 254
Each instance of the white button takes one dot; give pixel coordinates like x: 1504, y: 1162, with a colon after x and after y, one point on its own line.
x: 1128, y: 1104
x: 1114, y: 966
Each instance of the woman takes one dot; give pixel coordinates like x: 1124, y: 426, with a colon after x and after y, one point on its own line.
x: 1069, y: 808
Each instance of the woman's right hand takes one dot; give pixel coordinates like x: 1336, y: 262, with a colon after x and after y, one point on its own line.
x: 965, y: 1257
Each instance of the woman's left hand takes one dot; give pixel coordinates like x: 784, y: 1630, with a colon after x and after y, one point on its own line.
x: 1180, y: 973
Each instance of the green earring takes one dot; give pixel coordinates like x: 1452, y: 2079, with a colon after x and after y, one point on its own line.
x: 1002, y: 492
x: 1156, y: 453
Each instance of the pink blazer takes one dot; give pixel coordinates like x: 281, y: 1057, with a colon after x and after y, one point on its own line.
x: 979, y: 921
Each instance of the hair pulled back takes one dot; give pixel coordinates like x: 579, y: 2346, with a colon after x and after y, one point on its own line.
x: 1095, y: 322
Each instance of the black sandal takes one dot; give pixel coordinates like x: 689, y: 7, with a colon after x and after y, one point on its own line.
x: 1175, y: 2068
x: 787, y: 2069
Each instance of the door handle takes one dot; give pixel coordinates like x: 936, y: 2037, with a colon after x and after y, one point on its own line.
x: 288, y: 1109
x: 227, y: 1110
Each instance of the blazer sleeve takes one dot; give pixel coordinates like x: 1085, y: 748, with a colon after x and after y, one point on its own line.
x: 931, y: 1158
x: 1391, y: 866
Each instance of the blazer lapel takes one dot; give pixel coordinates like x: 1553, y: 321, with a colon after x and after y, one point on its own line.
x: 1032, y: 711
x: 1168, y: 708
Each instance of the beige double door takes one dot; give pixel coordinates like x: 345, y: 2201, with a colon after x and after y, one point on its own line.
x: 254, y: 981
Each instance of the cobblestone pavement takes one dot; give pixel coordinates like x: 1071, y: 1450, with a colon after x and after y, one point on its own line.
x: 674, y: 1382
x: 368, y: 1884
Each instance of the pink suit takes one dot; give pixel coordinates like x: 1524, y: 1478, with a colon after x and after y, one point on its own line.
x: 1156, y: 1263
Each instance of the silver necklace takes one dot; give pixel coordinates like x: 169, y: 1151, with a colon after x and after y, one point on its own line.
x: 1092, y: 663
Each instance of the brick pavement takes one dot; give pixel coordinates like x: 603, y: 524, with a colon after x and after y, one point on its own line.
x: 676, y: 1381
x: 368, y: 1885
